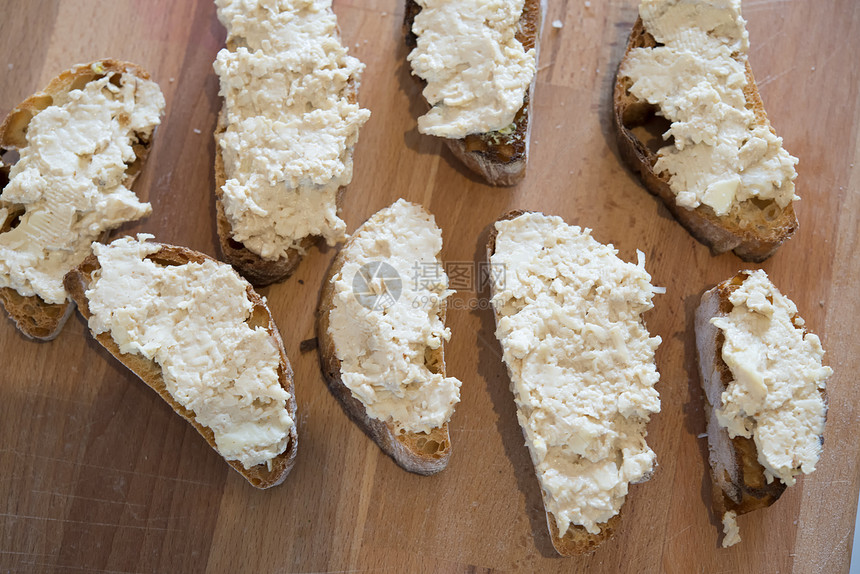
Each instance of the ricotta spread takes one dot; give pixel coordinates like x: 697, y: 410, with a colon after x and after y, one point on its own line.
x: 720, y: 156
x: 287, y: 82
x: 477, y: 72
x: 382, y: 348
x: 192, y: 320
x: 569, y: 319
x: 69, y: 180
x: 775, y: 395
x: 731, y: 532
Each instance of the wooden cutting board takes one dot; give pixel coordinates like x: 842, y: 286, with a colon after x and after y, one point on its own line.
x: 97, y: 473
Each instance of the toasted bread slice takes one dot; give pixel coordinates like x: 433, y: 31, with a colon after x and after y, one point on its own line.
x: 33, y: 316
x: 739, y: 484
x: 753, y: 229
x: 500, y: 158
x: 78, y: 280
x: 577, y: 540
x: 423, y: 453
x: 255, y: 268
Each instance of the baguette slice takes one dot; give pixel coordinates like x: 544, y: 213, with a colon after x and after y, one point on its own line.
x: 78, y: 280
x: 500, y: 158
x: 577, y: 540
x: 32, y: 315
x: 418, y: 452
x: 253, y: 267
x: 739, y: 484
x: 754, y: 230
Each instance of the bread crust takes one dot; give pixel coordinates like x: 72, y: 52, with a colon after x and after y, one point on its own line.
x: 754, y: 229
x: 253, y: 267
x: 421, y: 453
x: 577, y: 540
x: 77, y: 281
x: 501, y: 159
x: 738, y: 479
x: 33, y: 316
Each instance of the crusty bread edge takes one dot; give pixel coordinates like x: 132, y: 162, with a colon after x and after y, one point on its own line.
x: 34, y: 317
x: 577, y: 540
x: 77, y: 281
x: 494, y: 172
x: 414, y: 452
x: 252, y: 266
x: 701, y: 222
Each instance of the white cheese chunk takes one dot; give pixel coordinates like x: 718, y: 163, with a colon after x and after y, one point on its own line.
x: 477, y: 72
x: 291, y: 127
x: 382, y: 346
x: 720, y: 156
x: 774, y: 397
x: 70, y: 180
x: 731, y: 532
x: 192, y: 320
x: 569, y: 319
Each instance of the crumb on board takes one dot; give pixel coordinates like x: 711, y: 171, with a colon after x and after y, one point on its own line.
x: 557, y: 24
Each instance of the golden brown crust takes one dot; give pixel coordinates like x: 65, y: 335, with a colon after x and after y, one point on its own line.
x: 501, y: 159
x: 253, y: 267
x: 738, y: 479
x: 577, y: 540
x: 753, y: 230
x: 421, y: 453
x: 32, y: 315
x: 77, y: 282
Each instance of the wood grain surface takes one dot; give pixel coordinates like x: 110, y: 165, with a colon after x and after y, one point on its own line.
x: 98, y: 474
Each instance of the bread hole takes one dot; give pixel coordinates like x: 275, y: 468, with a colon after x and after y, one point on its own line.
x: 646, y: 126
x: 430, y: 447
x: 116, y: 80
x: 133, y: 168
x: 235, y: 244
x: 161, y: 262
x: 84, y: 79
x: 431, y: 360
x: 13, y: 218
x: 259, y: 317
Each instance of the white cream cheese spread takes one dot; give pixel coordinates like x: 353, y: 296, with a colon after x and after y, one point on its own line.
x: 192, y: 320
x: 775, y: 395
x: 477, y: 72
x: 382, y: 347
x: 69, y: 180
x: 569, y: 319
x: 287, y: 83
x: 720, y: 156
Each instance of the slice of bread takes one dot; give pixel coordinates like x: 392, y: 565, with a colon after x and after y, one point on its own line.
x: 754, y: 229
x: 255, y: 268
x: 33, y: 316
x: 423, y: 453
x: 739, y: 484
x: 577, y: 540
x: 78, y: 280
x: 500, y: 158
